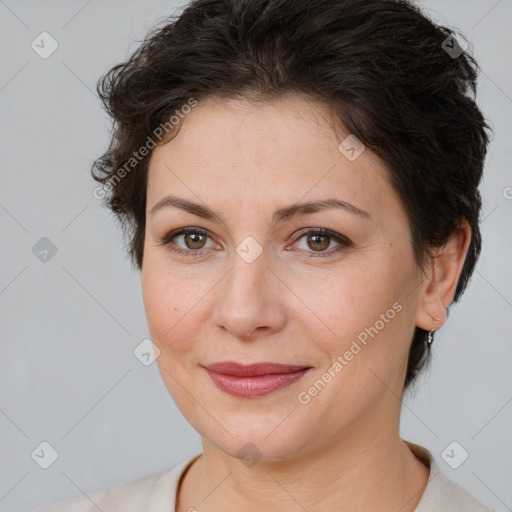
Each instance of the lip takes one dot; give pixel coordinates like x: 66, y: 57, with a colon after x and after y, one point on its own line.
x: 255, y: 379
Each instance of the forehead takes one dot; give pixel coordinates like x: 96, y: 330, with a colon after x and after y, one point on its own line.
x: 241, y: 129
x: 273, y: 152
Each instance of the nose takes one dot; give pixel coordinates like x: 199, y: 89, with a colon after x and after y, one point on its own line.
x: 251, y: 300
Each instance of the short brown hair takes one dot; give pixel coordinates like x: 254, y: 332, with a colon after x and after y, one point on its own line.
x: 398, y: 81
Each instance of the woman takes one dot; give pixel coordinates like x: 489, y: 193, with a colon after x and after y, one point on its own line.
x: 299, y: 181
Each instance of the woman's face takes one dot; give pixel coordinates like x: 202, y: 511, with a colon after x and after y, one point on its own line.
x: 260, y: 286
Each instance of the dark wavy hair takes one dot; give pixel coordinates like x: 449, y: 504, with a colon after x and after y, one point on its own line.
x: 401, y: 83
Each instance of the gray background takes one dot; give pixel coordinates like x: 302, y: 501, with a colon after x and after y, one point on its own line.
x: 69, y: 326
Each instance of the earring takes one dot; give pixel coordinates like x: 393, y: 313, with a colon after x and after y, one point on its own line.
x: 430, y: 337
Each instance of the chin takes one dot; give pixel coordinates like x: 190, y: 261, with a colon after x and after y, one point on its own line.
x: 255, y: 437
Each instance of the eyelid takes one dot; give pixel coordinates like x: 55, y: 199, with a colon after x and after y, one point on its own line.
x: 322, y: 231
x: 166, y: 240
x: 342, y: 240
x: 181, y: 231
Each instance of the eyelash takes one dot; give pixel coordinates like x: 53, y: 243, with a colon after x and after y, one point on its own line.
x: 343, y: 241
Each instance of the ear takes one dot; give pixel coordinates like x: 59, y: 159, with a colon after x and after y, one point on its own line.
x: 446, y: 267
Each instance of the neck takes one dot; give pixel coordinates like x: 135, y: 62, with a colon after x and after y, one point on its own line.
x: 363, y: 469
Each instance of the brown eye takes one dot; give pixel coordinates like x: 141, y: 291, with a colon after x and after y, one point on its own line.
x: 318, y: 242
x: 187, y: 241
x: 194, y: 240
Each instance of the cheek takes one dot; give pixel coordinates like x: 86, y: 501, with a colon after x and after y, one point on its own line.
x: 345, y: 302
x: 170, y: 319
x: 364, y: 320
x: 169, y: 310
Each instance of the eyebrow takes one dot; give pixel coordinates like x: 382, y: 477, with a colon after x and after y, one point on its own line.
x: 280, y: 215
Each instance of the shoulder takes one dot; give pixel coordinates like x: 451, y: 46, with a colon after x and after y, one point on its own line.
x: 146, y: 493
x: 442, y: 494
x: 461, y: 498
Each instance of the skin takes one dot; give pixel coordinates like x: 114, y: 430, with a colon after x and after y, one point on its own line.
x: 290, y: 305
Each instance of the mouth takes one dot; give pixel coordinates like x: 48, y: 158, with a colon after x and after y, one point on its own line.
x: 254, y: 380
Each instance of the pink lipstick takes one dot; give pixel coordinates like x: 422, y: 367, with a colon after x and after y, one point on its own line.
x: 255, y: 379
